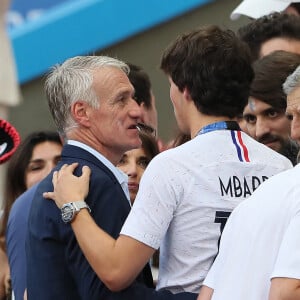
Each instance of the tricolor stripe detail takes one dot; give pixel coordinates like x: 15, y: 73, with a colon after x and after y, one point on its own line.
x: 241, y: 148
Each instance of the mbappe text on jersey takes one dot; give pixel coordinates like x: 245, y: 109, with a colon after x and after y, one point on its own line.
x: 240, y: 187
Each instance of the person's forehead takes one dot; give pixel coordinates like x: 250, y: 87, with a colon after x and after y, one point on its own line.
x: 280, y: 43
x: 46, y: 149
x: 291, y: 10
x: 256, y: 106
x: 108, y: 75
x: 293, y: 99
x: 136, y: 153
x: 111, y: 80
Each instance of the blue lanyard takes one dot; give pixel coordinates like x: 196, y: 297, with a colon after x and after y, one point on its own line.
x: 227, y: 125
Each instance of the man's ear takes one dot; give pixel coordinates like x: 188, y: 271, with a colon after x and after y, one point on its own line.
x: 186, y: 94
x: 80, y: 113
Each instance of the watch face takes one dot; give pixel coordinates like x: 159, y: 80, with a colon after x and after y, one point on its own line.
x: 67, y: 213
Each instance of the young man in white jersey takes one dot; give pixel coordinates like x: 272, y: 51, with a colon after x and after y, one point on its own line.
x: 188, y: 192
x: 259, y: 254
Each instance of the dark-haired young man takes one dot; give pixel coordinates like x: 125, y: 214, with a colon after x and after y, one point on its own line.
x: 255, y: 8
x: 144, y: 96
x: 186, y: 193
x: 146, y: 100
x: 259, y: 251
x: 273, y: 32
x: 264, y: 115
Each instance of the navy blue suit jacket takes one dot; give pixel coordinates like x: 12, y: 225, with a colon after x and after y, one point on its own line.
x: 16, y: 232
x: 56, y: 267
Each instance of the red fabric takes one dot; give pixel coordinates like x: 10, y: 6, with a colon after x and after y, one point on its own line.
x: 9, y: 140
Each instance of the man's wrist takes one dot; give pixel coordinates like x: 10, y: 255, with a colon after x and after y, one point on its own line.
x: 71, y: 209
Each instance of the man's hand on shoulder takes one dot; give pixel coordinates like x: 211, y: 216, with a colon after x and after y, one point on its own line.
x: 67, y: 186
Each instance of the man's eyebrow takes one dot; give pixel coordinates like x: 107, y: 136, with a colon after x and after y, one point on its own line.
x: 124, y: 155
x: 273, y: 109
x: 247, y: 115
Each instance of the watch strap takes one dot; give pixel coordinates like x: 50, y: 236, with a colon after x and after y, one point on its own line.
x: 80, y: 205
x: 71, y: 209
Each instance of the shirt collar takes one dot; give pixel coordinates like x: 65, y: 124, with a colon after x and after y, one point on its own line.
x: 120, y: 175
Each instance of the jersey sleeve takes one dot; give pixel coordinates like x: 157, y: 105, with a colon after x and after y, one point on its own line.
x: 154, y: 206
x: 288, y: 258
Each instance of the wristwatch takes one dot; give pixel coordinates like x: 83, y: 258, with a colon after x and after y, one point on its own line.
x: 70, y: 210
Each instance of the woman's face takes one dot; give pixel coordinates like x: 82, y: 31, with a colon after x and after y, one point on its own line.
x: 44, y: 158
x: 134, y: 163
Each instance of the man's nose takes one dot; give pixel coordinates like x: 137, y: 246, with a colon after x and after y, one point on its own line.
x: 135, y: 110
x: 262, y: 127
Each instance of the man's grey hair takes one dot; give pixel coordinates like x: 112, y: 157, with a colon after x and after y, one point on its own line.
x: 292, y: 81
x: 72, y: 81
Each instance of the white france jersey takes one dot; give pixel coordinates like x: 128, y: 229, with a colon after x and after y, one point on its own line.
x: 186, y: 195
x: 261, y: 240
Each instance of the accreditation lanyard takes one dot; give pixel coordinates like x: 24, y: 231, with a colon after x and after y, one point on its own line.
x: 223, y: 125
x: 236, y: 136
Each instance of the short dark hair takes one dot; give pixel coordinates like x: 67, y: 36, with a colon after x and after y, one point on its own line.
x: 275, y: 25
x: 271, y: 72
x: 149, y: 144
x: 142, y: 85
x: 215, y: 66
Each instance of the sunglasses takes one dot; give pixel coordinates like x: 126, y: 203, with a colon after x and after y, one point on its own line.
x: 146, y: 128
